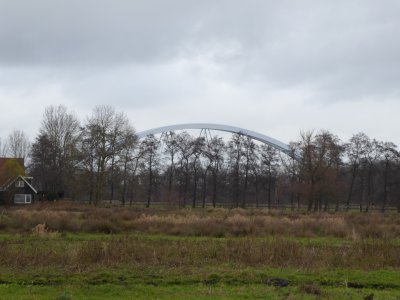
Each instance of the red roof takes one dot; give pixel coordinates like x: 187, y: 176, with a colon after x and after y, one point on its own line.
x: 6, y: 173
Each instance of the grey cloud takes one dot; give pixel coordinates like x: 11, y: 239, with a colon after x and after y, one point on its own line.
x: 284, y: 42
x: 154, y: 53
x: 100, y: 32
x: 342, y: 51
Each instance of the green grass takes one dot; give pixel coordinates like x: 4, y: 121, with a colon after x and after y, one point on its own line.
x: 199, y: 291
x: 75, y: 237
x: 236, y: 254
x: 205, y: 283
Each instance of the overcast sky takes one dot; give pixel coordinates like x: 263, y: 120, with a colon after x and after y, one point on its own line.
x: 276, y: 67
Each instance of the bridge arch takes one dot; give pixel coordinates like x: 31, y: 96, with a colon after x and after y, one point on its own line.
x: 252, y: 134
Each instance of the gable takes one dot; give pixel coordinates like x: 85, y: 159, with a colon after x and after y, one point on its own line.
x: 10, y: 168
x: 10, y: 185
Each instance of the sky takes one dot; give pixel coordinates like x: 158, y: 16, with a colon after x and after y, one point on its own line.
x: 275, y: 67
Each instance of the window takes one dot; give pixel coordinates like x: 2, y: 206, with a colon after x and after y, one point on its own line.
x: 19, y: 183
x: 22, y: 198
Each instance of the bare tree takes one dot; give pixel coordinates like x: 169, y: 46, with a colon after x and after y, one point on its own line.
x: 150, y: 146
x: 249, y: 160
x: 130, y: 173
x: 269, y: 165
x: 3, y: 148
x: 369, y: 165
x: 355, y: 150
x: 215, y: 150
x: 171, y: 149
x: 235, y: 154
x: 321, y: 156
x: 185, y: 142
x: 88, y: 146
x: 122, y: 140
x: 55, y: 155
x: 106, y: 135
x: 127, y: 158
x: 196, y: 151
x: 291, y: 172
x: 389, y: 156
x: 396, y: 183
x: 18, y: 144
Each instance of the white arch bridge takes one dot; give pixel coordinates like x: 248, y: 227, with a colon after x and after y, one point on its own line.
x: 207, y: 126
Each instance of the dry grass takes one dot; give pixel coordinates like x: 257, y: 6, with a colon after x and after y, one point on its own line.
x: 253, y: 238
x: 131, y: 252
x: 41, y: 231
x: 67, y: 217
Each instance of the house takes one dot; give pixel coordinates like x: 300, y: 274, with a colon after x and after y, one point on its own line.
x: 15, y: 187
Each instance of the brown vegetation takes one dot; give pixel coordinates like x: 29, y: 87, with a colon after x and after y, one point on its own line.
x: 70, y: 217
x: 70, y: 239
x: 244, y: 252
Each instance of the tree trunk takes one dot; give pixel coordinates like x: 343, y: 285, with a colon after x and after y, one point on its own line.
x: 170, y: 178
x: 246, y: 180
x: 269, y: 189
x: 112, y: 179
x: 385, y: 184
x: 124, y: 183
x: 353, y: 178
x: 150, y: 190
x: 215, y: 185
x: 256, y: 186
x: 311, y: 197
x: 237, y: 184
x: 186, y: 183
x: 205, y: 187
x: 194, y: 187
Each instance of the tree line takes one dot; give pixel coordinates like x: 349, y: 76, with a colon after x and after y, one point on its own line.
x: 102, y: 159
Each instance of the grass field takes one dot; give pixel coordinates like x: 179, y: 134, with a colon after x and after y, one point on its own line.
x: 69, y: 251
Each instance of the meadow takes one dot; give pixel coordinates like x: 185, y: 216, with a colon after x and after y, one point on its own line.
x: 74, y: 251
